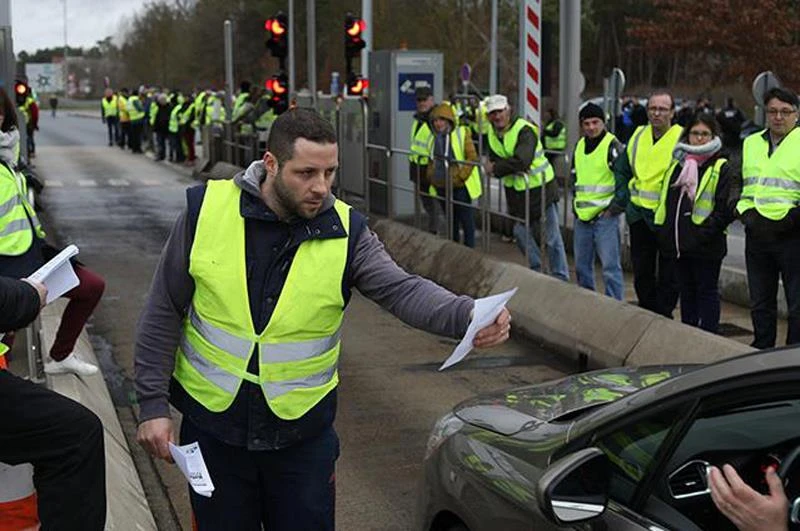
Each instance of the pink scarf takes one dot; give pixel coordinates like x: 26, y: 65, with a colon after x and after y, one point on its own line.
x: 687, y: 180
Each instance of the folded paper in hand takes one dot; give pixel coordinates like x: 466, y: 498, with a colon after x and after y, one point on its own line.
x: 190, y: 460
x: 57, y: 274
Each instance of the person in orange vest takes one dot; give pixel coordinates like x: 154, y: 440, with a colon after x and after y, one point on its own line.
x: 61, y: 439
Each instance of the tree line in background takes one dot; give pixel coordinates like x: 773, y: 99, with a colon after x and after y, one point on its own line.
x: 702, y: 45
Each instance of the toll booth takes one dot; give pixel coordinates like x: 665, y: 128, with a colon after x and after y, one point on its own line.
x: 394, y: 76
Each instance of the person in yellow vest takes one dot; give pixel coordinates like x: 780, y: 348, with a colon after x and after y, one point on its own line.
x: 769, y: 208
x: 109, y: 107
x: 241, y: 98
x: 241, y: 329
x: 516, y: 155
x: 137, y: 117
x: 58, y: 436
x: 449, y: 145
x: 124, y: 119
x: 639, y: 173
x: 596, y: 224
x: 418, y: 159
x: 554, y: 138
x: 694, y: 209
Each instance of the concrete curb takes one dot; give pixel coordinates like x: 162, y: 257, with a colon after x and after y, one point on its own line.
x: 127, y: 504
x: 573, y: 321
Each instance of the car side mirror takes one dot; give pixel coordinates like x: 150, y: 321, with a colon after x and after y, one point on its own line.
x: 575, y: 488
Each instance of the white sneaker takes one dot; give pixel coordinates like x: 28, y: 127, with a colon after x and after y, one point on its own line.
x: 70, y: 364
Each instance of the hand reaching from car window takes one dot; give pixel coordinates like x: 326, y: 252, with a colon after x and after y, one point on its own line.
x: 747, y: 509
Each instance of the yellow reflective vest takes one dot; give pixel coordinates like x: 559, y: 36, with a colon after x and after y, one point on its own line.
x: 504, y: 148
x: 594, y: 180
x: 134, y: 113
x: 421, y: 136
x: 458, y: 137
x: 110, y: 107
x: 704, y: 197
x: 122, y: 105
x: 558, y: 142
x: 18, y: 220
x: 770, y: 184
x: 298, y: 351
x: 648, y: 162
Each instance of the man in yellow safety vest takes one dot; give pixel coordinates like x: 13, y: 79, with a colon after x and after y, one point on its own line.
x: 241, y: 330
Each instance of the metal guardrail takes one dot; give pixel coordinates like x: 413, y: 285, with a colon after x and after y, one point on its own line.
x: 241, y: 149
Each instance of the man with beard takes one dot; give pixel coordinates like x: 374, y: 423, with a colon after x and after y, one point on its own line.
x: 241, y: 330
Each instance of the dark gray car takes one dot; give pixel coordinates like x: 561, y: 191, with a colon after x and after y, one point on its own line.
x: 616, y: 449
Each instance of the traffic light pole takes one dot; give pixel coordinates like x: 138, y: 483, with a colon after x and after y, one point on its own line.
x: 292, y: 91
x: 228, y: 31
x: 312, y: 49
x: 366, y: 15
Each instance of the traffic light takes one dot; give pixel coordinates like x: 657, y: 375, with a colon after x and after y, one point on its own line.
x: 21, y: 91
x: 356, y: 85
x: 353, y: 36
x: 278, y: 85
x: 278, y: 37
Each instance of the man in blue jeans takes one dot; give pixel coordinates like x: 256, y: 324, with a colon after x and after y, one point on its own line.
x: 596, y: 223
x: 516, y: 155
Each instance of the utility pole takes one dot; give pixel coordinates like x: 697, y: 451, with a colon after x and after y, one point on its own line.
x: 493, y: 52
x: 292, y: 88
x: 366, y: 34
x: 311, y: 17
x: 569, y: 66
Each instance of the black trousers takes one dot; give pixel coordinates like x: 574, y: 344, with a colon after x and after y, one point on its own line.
x: 64, y: 442
x: 654, y: 275
x: 135, y: 140
x: 766, y: 261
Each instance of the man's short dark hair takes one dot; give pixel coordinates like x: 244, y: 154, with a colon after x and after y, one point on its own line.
x: 298, y: 123
x: 781, y: 94
x: 662, y: 92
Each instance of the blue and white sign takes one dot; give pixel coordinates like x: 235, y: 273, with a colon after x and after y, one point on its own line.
x: 408, y: 84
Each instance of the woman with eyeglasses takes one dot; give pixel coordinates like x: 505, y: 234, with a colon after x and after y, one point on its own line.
x: 694, y: 209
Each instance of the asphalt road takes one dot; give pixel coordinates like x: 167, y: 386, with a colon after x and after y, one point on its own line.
x: 118, y: 208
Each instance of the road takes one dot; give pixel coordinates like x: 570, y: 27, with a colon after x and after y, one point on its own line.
x: 118, y: 208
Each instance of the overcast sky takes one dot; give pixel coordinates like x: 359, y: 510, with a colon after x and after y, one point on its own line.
x: 38, y: 24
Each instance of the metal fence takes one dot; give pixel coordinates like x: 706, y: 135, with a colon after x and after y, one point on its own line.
x: 226, y: 144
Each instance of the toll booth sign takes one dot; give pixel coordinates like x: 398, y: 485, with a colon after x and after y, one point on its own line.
x: 408, y: 84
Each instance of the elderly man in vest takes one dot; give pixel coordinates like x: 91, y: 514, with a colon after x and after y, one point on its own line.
x: 241, y: 330
x: 770, y: 211
x: 639, y: 173
x: 596, y: 224
x: 516, y: 155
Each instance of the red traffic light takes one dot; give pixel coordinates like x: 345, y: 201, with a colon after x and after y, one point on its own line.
x: 275, y: 26
x: 275, y: 85
x: 357, y: 86
x: 356, y: 27
x: 20, y: 88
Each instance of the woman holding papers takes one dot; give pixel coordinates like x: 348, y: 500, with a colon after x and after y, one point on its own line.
x: 23, y: 249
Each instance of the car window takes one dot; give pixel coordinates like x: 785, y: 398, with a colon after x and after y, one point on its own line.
x: 749, y: 435
x: 632, y: 450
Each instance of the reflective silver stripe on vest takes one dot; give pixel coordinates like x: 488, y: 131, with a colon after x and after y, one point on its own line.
x: 276, y: 389
x: 700, y: 211
x: 236, y: 346
x: 298, y: 351
x: 533, y: 172
x: 538, y: 154
x: 773, y: 182
x: 655, y: 196
x: 776, y: 200
x: 705, y: 196
x: 219, y: 377
x: 597, y: 203
x: 6, y: 207
x: 595, y: 189
x: 17, y: 225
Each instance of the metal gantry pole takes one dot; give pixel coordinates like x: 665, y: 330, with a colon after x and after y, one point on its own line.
x: 228, y: 32
x: 291, y: 50
x: 493, y: 52
x: 312, y: 49
x: 366, y: 16
x: 570, y: 66
x: 66, y: 63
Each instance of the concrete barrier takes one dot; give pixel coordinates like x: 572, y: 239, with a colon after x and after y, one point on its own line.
x: 126, y: 502
x: 573, y: 321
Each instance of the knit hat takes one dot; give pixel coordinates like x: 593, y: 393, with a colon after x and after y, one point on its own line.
x: 591, y: 110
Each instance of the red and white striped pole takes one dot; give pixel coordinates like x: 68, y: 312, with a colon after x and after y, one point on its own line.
x: 530, y: 60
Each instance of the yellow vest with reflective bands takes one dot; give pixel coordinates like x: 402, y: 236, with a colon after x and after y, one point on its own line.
x: 771, y: 184
x: 648, y: 162
x: 298, y: 351
x: 594, y: 180
x: 505, y: 149
x: 421, y: 136
x: 133, y: 113
x: 16, y: 214
x: 457, y: 140
x: 559, y: 142
x: 704, y: 197
x: 110, y: 108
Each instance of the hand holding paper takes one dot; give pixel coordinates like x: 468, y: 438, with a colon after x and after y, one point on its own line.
x: 57, y: 275
x: 489, y: 326
x: 190, y: 461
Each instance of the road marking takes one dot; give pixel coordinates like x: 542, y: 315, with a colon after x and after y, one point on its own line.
x: 54, y: 184
x: 87, y: 182
x: 119, y: 182
x: 150, y: 182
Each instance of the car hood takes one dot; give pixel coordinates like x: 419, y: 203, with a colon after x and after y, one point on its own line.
x: 510, y: 411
